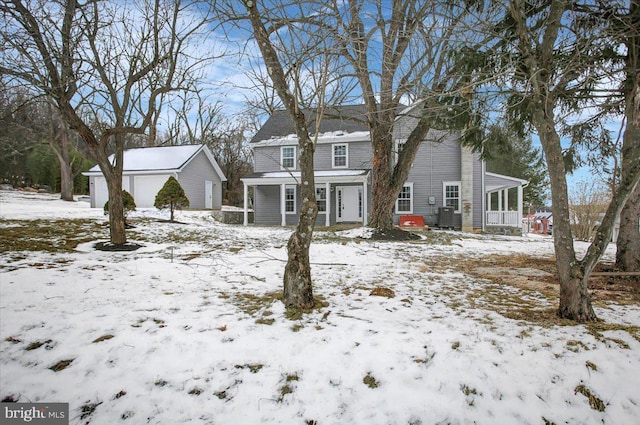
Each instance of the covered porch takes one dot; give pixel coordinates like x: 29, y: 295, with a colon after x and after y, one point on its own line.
x: 341, y: 196
x: 504, y: 200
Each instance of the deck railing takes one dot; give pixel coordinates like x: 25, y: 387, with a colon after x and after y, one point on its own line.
x: 504, y: 218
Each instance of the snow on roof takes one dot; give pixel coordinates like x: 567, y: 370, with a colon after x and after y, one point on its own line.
x: 351, y: 176
x: 328, y: 137
x: 155, y: 158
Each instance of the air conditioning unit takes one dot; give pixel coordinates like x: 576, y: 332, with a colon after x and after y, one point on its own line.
x: 445, y: 217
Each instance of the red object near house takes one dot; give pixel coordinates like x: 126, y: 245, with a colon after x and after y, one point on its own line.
x: 412, y: 220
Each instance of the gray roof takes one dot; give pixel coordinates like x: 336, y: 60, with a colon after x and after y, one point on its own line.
x: 350, y: 118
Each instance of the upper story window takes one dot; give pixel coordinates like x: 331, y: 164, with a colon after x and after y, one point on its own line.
x: 404, y: 203
x: 398, y: 147
x: 451, y: 195
x: 340, y: 156
x: 321, y: 199
x: 288, y: 157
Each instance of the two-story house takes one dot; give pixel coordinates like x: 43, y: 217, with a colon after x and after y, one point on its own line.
x: 447, y: 185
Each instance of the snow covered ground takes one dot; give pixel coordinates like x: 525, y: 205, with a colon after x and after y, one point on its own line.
x: 186, y: 330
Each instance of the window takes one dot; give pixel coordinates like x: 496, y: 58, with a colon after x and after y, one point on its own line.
x: 290, y: 199
x: 321, y: 199
x: 404, y: 203
x: 451, y: 195
x: 340, y: 156
x: 288, y: 157
x: 399, y: 146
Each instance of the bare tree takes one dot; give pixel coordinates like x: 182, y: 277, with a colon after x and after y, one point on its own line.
x: 588, y: 201
x: 298, y: 64
x: 557, y: 58
x: 400, y: 51
x: 103, y: 62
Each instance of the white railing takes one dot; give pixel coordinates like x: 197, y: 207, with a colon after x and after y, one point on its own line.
x: 503, y: 218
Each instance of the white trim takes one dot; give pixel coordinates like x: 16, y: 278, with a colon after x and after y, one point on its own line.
x: 502, y: 176
x: 346, y: 155
x: 245, y: 212
x: 444, y: 194
x: 282, y: 166
x: 274, y: 178
x: 327, y: 218
x: 411, y: 196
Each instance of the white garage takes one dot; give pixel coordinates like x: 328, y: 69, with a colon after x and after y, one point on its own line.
x: 147, y: 187
x: 146, y: 170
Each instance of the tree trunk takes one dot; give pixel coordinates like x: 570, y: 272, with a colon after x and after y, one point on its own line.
x: 387, y: 177
x: 113, y: 177
x: 575, y: 302
x: 298, y: 288
x: 628, y: 243
x: 66, y: 181
x: 383, y: 195
x: 66, y: 168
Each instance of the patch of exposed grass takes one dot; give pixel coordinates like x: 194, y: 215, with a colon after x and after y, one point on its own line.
x: 37, y: 344
x: 594, y: 401
x: 467, y: 390
x: 102, y: 338
x: 576, y: 346
x: 49, y: 235
x: 253, y: 367
x: 88, y: 408
x: 591, y: 366
x: 287, y: 387
x: 252, y: 304
x: 61, y: 365
x: 370, y: 381
x: 597, y: 328
x: 265, y: 321
x: 195, y: 391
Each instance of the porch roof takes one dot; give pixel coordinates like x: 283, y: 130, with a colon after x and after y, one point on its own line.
x: 495, y: 182
x: 293, y: 177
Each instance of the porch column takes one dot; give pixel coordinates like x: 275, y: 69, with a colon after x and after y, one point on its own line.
x: 327, y: 191
x: 500, y: 200
x: 506, y: 199
x: 365, y: 211
x: 489, y: 201
x: 520, y: 201
x: 245, y: 220
x: 283, y: 212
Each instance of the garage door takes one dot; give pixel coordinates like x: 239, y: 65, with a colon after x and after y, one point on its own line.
x: 102, y: 193
x: 146, y: 188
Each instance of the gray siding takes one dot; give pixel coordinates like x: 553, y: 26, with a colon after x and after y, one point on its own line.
x: 266, y: 201
x: 359, y: 155
x: 437, y: 161
x: 267, y: 158
x: 267, y: 205
x: 193, y: 177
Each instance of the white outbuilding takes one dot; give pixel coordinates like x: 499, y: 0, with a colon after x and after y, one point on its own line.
x: 146, y: 170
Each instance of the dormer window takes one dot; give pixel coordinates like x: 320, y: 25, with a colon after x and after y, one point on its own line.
x: 288, y: 157
x: 340, y: 155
